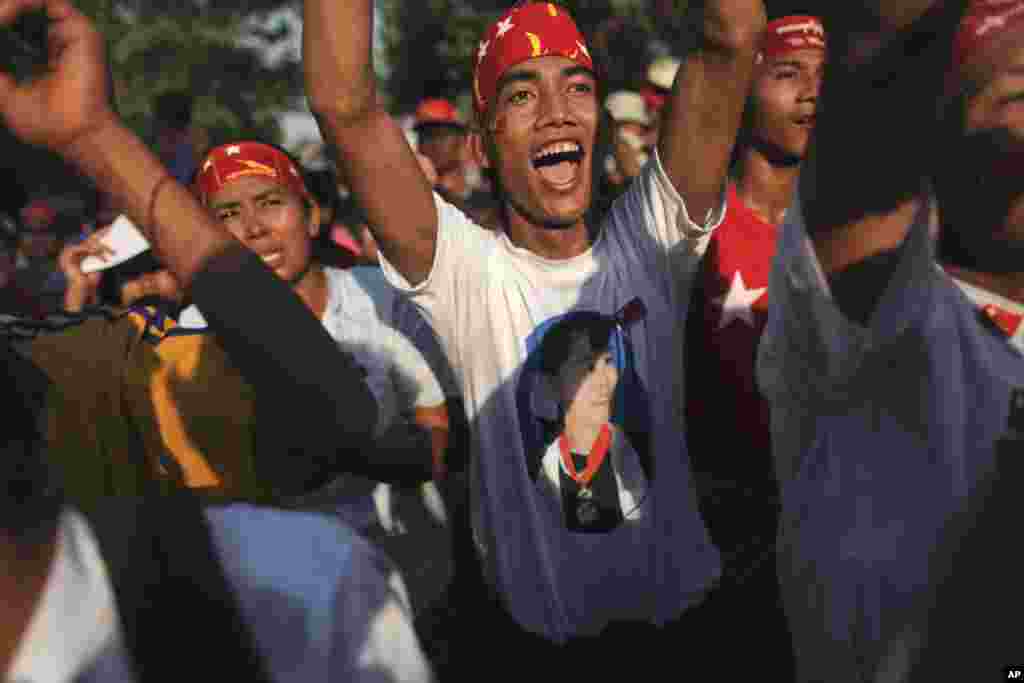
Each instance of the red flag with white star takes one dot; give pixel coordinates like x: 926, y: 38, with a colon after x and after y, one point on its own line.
x: 728, y: 314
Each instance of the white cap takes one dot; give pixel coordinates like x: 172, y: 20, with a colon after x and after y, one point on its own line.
x: 626, y: 106
x: 662, y: 72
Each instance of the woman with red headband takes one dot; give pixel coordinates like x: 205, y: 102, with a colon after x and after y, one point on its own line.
x: 194, y: 413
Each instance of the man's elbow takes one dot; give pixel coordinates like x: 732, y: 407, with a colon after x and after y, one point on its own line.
x: 348, y: 105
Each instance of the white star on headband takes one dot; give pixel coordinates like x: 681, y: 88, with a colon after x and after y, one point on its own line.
x: 233, y: 149
x: 483, y: 50
x: 997, y: 21
x: 583, y: 48
x: 504, y: 26
x: 808, y: 27
x: 207, y: 165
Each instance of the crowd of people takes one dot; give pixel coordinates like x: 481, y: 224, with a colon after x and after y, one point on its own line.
x: 719, y: 372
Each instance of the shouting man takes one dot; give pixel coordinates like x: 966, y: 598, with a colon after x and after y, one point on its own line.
x: 491, y: 298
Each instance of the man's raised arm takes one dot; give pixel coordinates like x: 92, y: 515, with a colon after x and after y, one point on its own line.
x: 703, y: 114
x: 337, y: 46
x: 879, y: 126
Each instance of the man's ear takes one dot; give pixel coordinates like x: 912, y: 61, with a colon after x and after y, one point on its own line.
x: 314, y: 219
x: 478, y: 149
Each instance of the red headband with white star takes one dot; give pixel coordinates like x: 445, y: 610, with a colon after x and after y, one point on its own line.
x: 985, y: 22
x: 227, y: 163
x: 537, y: 29
x: 789, y: 34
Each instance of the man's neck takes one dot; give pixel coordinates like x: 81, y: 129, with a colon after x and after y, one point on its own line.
x: 550, y: 243
x: 766, y: 188
x: 23, y: 576
x: 1007, y: 285
x: 582, y: 432
x: 312, y: 289
x: 998, y: 268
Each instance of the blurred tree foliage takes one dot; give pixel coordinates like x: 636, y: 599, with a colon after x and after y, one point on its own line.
x: 211, y: 48
x: 427, y: 46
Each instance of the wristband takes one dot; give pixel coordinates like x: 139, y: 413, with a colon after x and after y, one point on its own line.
x: 150, y: 225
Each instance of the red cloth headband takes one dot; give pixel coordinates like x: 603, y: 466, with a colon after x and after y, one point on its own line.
x: 537, y: 29
x: 227, y: 163
x: 792, y: 33
x: 984, y: 22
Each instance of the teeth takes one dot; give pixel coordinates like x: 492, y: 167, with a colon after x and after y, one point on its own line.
x: 557, y: 148
x: 271, y: 258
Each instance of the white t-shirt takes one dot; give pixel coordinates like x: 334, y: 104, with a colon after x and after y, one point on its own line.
x: 368, y: 319
x: 490, y: 304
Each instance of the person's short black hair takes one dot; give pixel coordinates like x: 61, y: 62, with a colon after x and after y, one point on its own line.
x: 435, y: 130
x: 30, y: 497
x: 9, y: 232
x: 174, y: 109
x: 556, y: 347
x: 115, y: 278
x: 776, y: 9
x: 351, y: 212
x: 323, y: 185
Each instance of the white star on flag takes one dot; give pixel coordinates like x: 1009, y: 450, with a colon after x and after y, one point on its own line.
x: 504, y: 26
x: 483, y: 50
x: 233, y: 149
x: 737, y: 302
x: 207, y: 165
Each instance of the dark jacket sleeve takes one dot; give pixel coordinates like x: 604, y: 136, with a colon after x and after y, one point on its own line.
x: 314, y: 414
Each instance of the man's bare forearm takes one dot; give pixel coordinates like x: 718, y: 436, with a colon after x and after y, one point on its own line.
x: 731, y: 27
x: 181, y: 231
x: 710, y: 92
x: 372, y: 149
x: 877, y: 141
x: 898, y: 14
x: 337, y: 46
x: 878, y: 128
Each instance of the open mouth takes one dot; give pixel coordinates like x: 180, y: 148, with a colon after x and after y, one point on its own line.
x: 805, y: 121
x: 558, y: 162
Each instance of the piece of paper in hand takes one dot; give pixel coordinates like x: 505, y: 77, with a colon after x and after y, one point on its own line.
x: 124, y: 239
